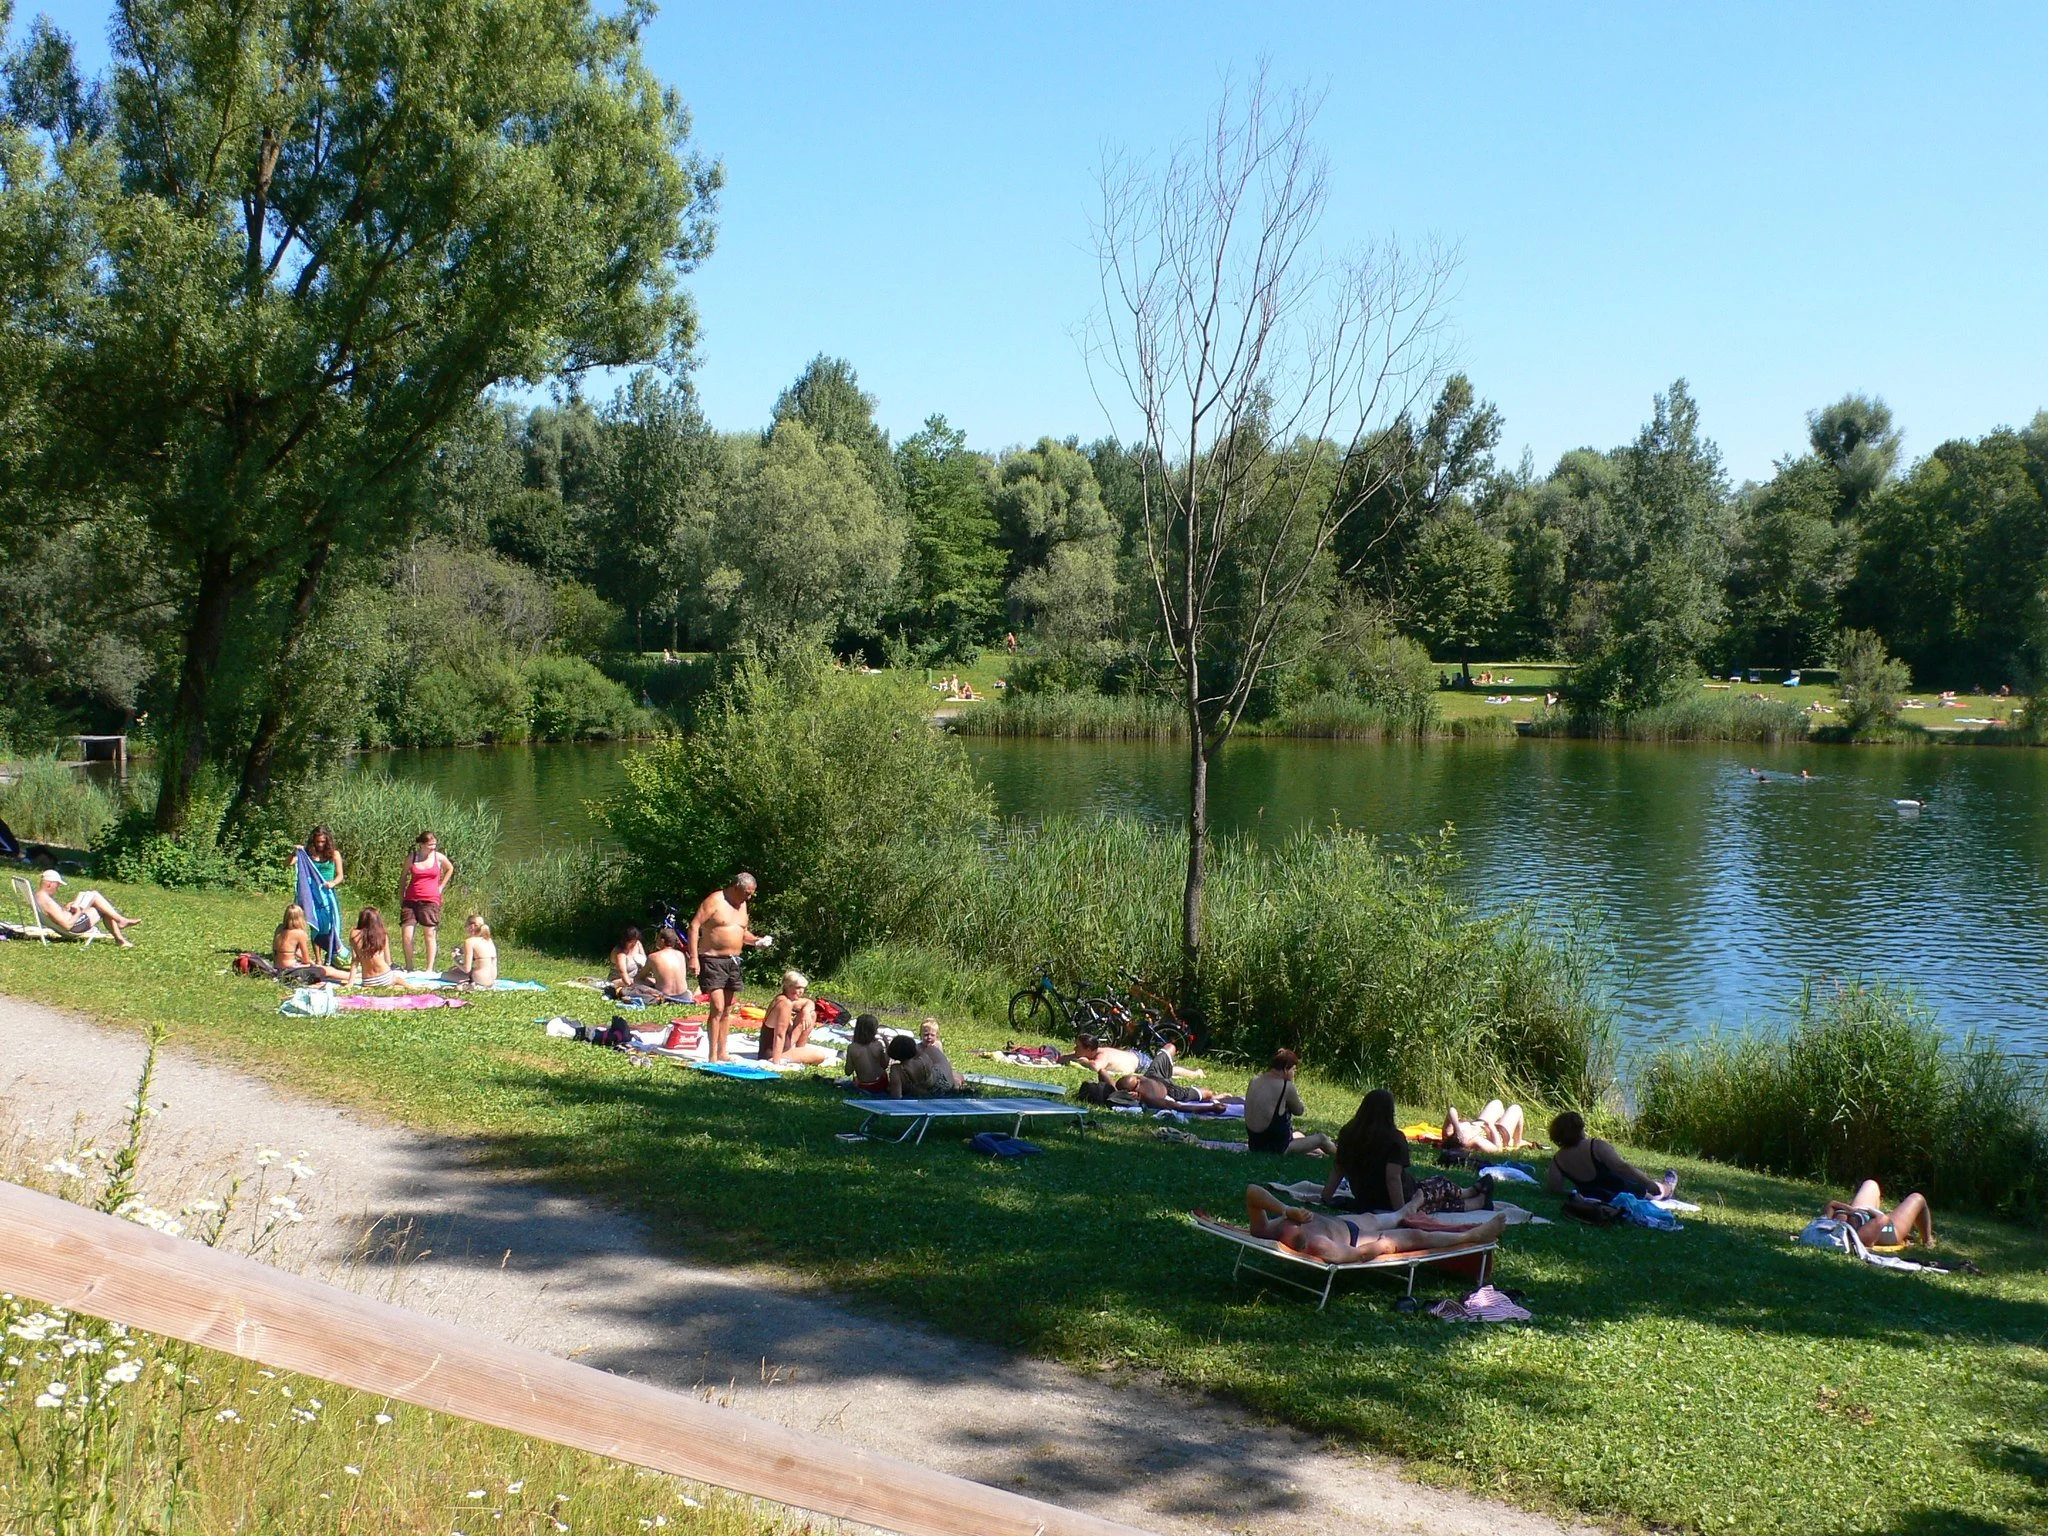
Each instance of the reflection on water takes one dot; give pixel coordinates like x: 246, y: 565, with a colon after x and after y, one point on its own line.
x: 1719, y: 890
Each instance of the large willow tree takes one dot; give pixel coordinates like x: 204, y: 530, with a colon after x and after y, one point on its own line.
x: 261, y: 269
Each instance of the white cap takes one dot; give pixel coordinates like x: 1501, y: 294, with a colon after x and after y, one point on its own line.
x: 50, y: 876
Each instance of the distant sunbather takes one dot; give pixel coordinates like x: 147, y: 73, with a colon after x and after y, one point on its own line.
x: 1154, y: 1093
x: 666, y: 975
x: 1498, y: 1128
x: 915, y: 1075
x: 1350, y: 1239
x: 82, y: 913
x: 1271, y: 1101
x: 1112, y: 1059
x: 1592, y: 1167
x: 1909, y: 1221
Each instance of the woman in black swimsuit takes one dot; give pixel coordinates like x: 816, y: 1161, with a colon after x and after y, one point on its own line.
x: 1589, y: 1166
x: 1911, y: 1221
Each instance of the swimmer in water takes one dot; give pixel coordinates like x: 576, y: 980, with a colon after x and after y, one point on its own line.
x: 1805, y: 773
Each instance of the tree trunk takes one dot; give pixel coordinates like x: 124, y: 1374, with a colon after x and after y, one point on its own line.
x: 258, y: 765
x: 1198, y: 847
x: 184, y: 748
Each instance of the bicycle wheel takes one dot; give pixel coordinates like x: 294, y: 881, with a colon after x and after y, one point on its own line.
x: 1029, y: 1010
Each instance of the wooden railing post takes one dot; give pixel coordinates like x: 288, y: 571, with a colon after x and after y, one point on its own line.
x: 65, y: 1255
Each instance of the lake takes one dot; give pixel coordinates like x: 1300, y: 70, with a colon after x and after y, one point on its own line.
x: 1719, y: 891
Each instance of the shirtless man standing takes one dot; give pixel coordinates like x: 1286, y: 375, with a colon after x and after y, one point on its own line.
x: 718, y: 934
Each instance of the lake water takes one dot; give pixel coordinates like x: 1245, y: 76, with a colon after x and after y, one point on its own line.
x: 1719, y: 892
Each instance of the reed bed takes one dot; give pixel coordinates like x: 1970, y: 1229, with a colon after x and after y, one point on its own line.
x: 51, y: 802
x: 1696, y: 717
x: 1077, y: 717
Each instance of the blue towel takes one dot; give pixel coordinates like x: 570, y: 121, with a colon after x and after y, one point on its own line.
x: 323, y: 912
x: 743, y: 1069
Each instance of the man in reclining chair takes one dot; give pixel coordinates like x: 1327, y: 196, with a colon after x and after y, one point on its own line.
x: 1350, y: 1239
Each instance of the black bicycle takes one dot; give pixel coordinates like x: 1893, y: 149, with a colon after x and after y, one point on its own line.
x: 1040, y: 1006
x: 1152, y: 1021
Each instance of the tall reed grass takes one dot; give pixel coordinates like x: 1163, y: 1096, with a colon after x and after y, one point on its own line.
x: 1347, y: 717
x: 1076, y: 717
x: 1860, y: 1082
x: 569, y: 900
x: 1696, y: 717
x: 375, y: 820
x: 1356, y: 956
x: 50, y: 802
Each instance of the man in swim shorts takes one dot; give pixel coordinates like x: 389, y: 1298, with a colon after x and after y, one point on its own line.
x: 718, y: 935
x: 1348, y: 1239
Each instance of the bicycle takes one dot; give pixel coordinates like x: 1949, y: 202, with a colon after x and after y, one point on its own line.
x: 1154, y: 1023
x: 1041, y: 1007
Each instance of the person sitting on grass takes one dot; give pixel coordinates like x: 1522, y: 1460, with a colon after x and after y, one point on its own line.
x: 1881, y: 1230
x: 867, y: 1059
x: 291, y: 951
x: 1372, y: 1154
x: 666, y: 975
x: 915, y: 1075
x: 371, y: 942
x: 628, y: 956
x: 942, y: 1068
x: 1351, y: 1239
x: 786, y: 1028
x: 1157, y: 1093
x: 1271, y: 1102
x: 1498, y: 1128
x: 82, y: 913
x: 1588, y: 1166
x: 476, y: 959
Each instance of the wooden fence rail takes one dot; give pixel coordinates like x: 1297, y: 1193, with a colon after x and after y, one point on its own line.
x: 86, y: 1262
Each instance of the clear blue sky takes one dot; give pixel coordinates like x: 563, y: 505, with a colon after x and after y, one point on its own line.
x: 1779, y: 202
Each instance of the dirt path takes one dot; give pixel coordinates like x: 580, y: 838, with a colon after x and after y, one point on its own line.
x: 501, y: 1254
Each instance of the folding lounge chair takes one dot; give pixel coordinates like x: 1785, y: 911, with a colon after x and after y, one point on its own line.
x: 918, y: 1115
x: 1321, y: 1277
x: 38, y: 927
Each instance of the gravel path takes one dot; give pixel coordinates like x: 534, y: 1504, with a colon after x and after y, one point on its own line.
x: 413, y: 1219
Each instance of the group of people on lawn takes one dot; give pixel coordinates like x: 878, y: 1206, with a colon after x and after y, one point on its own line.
x: 305, y: 958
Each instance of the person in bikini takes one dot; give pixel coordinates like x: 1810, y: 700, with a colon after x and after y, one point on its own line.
x: 1350, y: 1239
x: 1591, y: 1167
x: 476, y: 962
x: 1498, y: 1128
x: 786, y: 1030
x: 718, y: 935
x: 627, y: 959
x: 1909, y: 1222
x: 291, y: 951
x: 371, y: 942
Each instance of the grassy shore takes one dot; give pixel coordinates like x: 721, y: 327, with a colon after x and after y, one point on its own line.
x: 1711, y: 1380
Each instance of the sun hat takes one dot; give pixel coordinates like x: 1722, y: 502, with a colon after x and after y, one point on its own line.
x: 51, y: 874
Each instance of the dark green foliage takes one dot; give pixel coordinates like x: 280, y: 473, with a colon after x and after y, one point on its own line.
x: 828, y: 400
x: 1872, y: 682
x: 834, y: 791
x: 1789, y: 564
x: 953, y: 567
x: 1855, y: 438
x: 1459, y: 585
x: 1860, y: 1084
x: 1405, y: 478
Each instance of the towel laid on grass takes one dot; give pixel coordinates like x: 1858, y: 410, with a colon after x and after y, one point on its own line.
x: 436, y: 979
x: 750, y: 1071
x: 398, y: 1003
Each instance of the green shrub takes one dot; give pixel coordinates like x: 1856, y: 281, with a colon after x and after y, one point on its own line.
x: 51, y: 803
x: 1860, y: 1084
x: 131, y: 849
x: 1344, y: 717
x: 670, y: 688
x: 1697, y: 716
x: 1872, y: 680
x: 573, y: 701
x: 376, y: 819
x: 834, y: 790
x: 447, y: 707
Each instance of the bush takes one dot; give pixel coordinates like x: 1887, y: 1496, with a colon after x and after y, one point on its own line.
x: 131, y: 849
x: 672, y: 688
x: 834, y: 790
x: 1872, y: 682
x: 446, y: 707
x: 51, y: 803
x: 1861, y: 1084
x: 375, y: 821
x: 573, y: 701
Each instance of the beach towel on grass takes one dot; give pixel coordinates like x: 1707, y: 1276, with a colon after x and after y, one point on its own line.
x: 398, y: 1004
x: 748, y: 1071
x: 436, y: 979
x: 323, y: 911
x: 1826, y: 1232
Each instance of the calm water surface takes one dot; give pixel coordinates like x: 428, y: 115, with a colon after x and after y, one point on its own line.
x: 1719, y: 892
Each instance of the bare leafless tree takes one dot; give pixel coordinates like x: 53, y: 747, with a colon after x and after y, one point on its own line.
x: 1261, y: 371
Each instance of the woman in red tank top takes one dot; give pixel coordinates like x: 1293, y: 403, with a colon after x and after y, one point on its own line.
x: 427, y: 873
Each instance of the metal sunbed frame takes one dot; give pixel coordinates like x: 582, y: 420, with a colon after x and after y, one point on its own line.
x: 1248, y: 1244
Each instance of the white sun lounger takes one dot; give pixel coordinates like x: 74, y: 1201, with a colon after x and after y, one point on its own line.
x: 1327, y: 1273
x: 917, y: 1115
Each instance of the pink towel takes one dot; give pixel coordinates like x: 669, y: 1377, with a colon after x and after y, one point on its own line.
x: 403, y: 1000
x: 1485, y: 1305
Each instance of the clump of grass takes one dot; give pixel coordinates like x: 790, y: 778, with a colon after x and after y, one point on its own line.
x: 1696, y: 717
x: 375, y: 819
x: 1358, y: 957
x: 1861, y: 1083
x: 1076, y: 717
x: 1347, y: 717
x: 568, y: 900
x: 50, y: 802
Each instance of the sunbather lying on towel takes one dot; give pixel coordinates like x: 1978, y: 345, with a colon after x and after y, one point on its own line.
x: 1592, y: 1167
x: 1349, y: 1239
x: 1111, y: 1059
x: 1498, y: 1129
x: 1909, y: 1221
x: 1154, y: 1094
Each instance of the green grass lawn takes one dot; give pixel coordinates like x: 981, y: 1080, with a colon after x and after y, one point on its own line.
x: 1715, y: 1379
